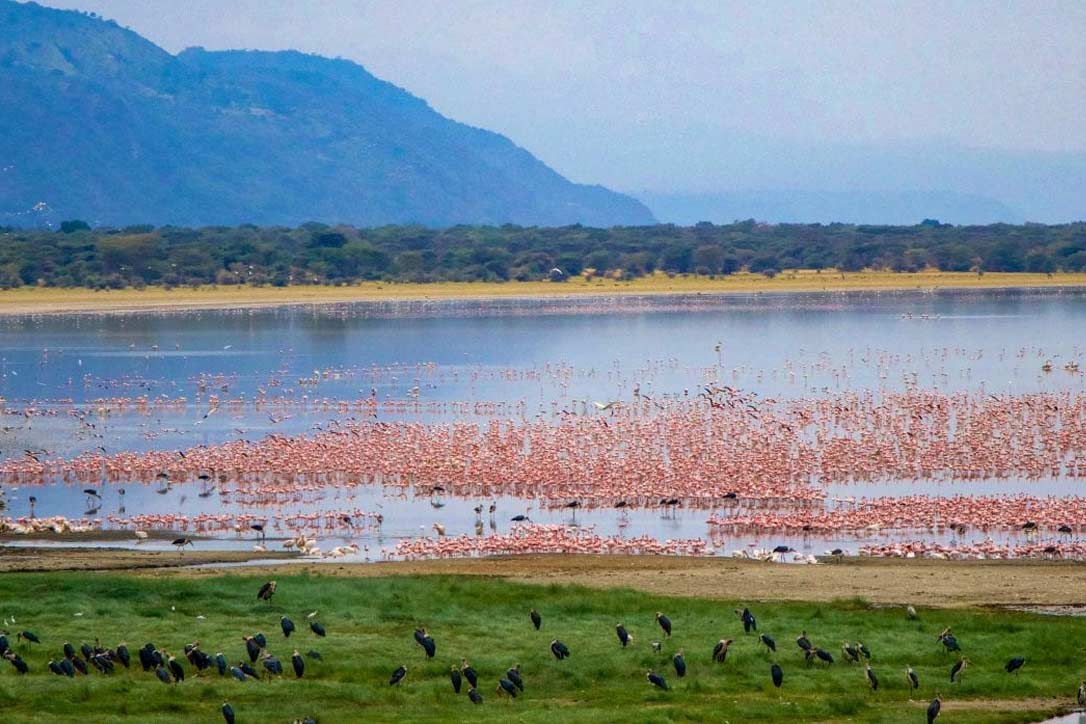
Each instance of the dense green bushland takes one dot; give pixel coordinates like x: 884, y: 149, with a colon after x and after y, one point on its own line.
x: 77, y: 256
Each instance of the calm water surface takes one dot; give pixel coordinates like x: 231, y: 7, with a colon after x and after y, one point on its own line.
x: 534, y: 358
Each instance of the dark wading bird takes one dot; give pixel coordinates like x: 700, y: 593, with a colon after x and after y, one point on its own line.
x: 506, y: 686
x: 469, y: 673
x: 914, y: 680
x: 16, y: 661
x: 680, y: 664
x: 933, y: 709
x: 176, y: 670
x: 513, y: 675
x: 27, y: 637
x: 1014, y: 664
x: 475, y: 696
x: 79, y: 665
x: 768, y: 642
x: 537, y: 620
x: 559, y: 650
x: 267, y: 591
x: 228, y: 713
x: 426, y: 641
x: 146, y: 656
x: 720, y: 651
x: 749, y: 622
x: 624, y: 636
x: 287, y: 625
x: 777, y: 675
x: 803, y: 642
x: 397, y: 675
x: 298, y: 663
x: 665, y: 623
x: 656, y: 680
x: 123, y: 656
x: 1080, y: 695
x: 272, y: 665
x: 950, y: 644
x: 317, y: 629
x: 252, y: 647
x: 180, y: 543
x: 455, y: 678
x: 957, y: 669
x: 220, y: 664
x: 872, y: 680
x: 162, y: 674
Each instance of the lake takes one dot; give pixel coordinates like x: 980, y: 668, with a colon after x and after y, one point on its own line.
x: 74, y: 384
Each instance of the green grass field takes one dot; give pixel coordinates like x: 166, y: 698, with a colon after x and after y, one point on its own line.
x: 370, y: 623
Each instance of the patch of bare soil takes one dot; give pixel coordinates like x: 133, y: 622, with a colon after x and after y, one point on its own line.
x: 879, y: 581
x: 34, y: 560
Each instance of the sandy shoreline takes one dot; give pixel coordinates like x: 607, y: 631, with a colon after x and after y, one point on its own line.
x: 36, y: 301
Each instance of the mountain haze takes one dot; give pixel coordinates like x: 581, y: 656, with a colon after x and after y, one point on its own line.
x: 98, y: 123
x: 848, y: 207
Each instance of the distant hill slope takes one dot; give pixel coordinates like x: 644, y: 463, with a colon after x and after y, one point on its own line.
x: 849, y: 207
x: 98, y: 123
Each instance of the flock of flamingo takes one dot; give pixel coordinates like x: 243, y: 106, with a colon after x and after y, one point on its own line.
x: 754, y: 464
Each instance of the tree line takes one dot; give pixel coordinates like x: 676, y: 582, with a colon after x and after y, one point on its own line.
x: 76, y: 255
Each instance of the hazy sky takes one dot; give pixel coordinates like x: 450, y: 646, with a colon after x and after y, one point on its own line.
x: 674, y: 95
